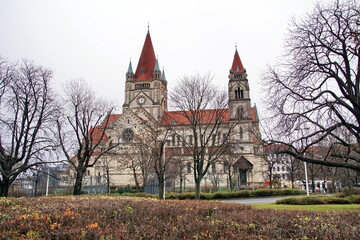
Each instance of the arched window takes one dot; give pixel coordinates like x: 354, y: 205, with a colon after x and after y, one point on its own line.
x: 239, y: 93
x: 240, y: 113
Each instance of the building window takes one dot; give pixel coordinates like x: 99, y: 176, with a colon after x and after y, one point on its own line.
x: 213, y: 168
x: 142, y: 85
x: 241, y: 133
x: 219, y: 138
x: 274, y: 169
x: 190, y: 140
x: 173, y: 140
x: 239, y: 93
x: 240, y: 113
x: 189, y: 167
x: 278, y: 169
x: 213, y: 139
x: 178, y: 140
x: 283, y: 168
x: 224, y: 137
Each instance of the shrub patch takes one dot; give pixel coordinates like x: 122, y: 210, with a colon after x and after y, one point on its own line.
x: 114, y: 217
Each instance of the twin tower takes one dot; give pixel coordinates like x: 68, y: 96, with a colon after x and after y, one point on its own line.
x: 146, y: 88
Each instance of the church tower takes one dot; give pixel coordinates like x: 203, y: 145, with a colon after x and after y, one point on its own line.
x: 239, y: 91
x: 146, y: 88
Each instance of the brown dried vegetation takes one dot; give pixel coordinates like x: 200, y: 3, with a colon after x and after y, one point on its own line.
x: 106, y: 217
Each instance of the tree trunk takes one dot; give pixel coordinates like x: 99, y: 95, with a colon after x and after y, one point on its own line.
x: 348, y: 180
x: 181, y: 183
x: 4, y: 187
x: 230, y: 181
x: 197, y: 188
x: 137, y: 186
x: 161, y: 187
x: 108, y: 180
x: 78, y: 183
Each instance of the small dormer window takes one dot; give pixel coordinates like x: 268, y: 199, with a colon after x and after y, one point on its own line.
x: 173, y: 122
x: 237, y: 68
x: 111, y: 125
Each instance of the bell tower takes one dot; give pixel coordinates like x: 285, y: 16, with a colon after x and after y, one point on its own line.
x: 239, y: 91
x: 146, y: 88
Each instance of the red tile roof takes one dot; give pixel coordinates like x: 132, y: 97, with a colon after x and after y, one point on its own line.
x: 97, y: 135
x: 253, y: 113
x: 205, y: 116
x: 237, y: 66
x: 112, y: 118
x: 147, y: 61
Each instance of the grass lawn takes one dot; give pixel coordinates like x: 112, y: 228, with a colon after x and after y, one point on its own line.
x: 324, y: 207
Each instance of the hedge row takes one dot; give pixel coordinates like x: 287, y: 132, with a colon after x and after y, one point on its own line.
x: 225, y: 195
x: 355, y: 199
x: 236, y: 194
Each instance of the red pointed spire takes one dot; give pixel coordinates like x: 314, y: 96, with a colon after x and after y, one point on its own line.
x: 146, y: 64
x: 237, y: 66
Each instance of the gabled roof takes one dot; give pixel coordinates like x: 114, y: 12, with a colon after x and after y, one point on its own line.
x: 237, y: 66
x: 243, y: 163
x: 205, y: 116
x: 147, y: 61
x: 97, y: 135
x: 111, y: 119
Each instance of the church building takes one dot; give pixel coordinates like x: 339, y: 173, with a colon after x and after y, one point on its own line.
x: 146, y: 107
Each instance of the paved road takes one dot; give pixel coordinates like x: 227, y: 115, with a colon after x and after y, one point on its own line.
x: 259, y: 199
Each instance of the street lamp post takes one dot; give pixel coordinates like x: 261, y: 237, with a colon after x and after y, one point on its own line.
x: 305, y: 166
x: 306, y: 180
x: 47, y: 182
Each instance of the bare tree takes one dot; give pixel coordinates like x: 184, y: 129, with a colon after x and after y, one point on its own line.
x: 131, y: 161
x: 205, y: 109
x: 316, y: 86
x: 26, y: 113
x: 294, y: 169
x: 7, y: 71
x: 81, y: 129
x: 272, y: 159
x: 181, y: 170
x: 138, y: 157
x: 107, y: 165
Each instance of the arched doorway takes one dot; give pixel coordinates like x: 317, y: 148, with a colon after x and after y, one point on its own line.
x: 243, y: 167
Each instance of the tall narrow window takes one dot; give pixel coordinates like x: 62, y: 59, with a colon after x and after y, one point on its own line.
x: 173, y: 140
x: 178, y: 140
x: 190, y: 140
x: 241, y: 93
x: 240, y: 113
x: 189, y: 167
x: 241, y: 133
x: 224, y: 137
x: 213, y: 167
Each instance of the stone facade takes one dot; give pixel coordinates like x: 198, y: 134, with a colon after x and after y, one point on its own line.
x: 145, y: 112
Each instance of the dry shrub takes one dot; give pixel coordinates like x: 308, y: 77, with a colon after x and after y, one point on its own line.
x: 111, y: 217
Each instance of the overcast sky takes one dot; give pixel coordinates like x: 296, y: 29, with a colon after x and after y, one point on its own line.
x: 95, y: 40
